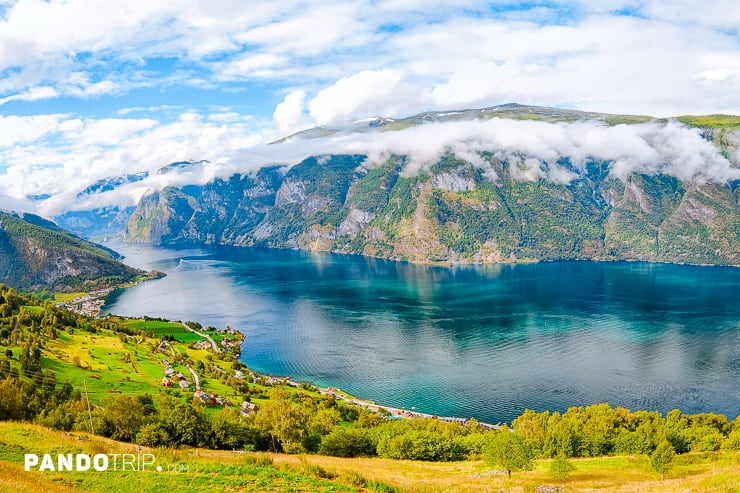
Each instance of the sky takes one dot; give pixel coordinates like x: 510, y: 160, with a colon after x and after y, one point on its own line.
x: 90, y: 90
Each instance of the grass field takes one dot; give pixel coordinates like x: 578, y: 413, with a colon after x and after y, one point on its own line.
x: 712, y: 121
x: 65, y: 297
x: 110, y: 364
x: 210, y: 470
x: 158, y: 328
x: 709, y: 472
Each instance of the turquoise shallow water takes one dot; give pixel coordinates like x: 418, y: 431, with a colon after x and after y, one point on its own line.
x: 465, y: 341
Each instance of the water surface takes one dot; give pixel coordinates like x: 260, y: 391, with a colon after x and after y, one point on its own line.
x: 482, y: 341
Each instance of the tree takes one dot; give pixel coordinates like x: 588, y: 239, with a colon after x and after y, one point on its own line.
x: 227, y: 430
x: 284, y: 421
x: 510, y: 451
x: 561, y: 467
x: 347, y: 442
x: 324, y: 421
x: 662, y: 458
x: 532, y: 426
x: 152, y: 435
x: 124, y: 416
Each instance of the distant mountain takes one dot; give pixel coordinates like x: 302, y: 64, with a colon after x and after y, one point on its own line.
x: 511, y: 111
x: 109, y: 222
x: 37, y: 254
x: 180, y: 166
x: 111, y: 183
x: 104, y: 222
x: 453, y: 211
x: 452, y: 214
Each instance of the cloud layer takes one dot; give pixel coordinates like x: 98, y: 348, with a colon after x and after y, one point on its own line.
x: 93, y: 150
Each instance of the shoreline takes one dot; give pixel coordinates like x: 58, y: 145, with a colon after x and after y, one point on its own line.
x: 442, y: 263
x: 91, y: 304
x: 390, y: 412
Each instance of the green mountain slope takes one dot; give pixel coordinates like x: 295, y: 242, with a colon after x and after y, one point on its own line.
x: 37, y: 254
x: 452, y: 213
x: 496, y: 209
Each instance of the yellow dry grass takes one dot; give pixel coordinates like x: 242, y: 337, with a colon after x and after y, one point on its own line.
x: 13, y: 479
x: 709, y: 472
x: 697, y: 473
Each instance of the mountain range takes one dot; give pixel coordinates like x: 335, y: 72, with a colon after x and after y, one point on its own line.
x: 457, y: 210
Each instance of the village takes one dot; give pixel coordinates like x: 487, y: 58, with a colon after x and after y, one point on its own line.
x: 89, y: 304
x: 172, y: 378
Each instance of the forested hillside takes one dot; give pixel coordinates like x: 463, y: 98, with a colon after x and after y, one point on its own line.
x: 452, y: 212
x: 36, y: 254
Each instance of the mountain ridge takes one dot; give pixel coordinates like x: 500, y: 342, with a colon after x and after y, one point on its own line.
x: 37, y: 254
x: 495, y: 204
x: 452, y: 214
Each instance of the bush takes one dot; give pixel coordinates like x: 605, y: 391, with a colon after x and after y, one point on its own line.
x: 732, y: 442
x: 152, y: 435
x: 347, y: 442
x: 259, y: 460
x: 561, y: 467
x: 662, y: 458
x: 421, y: 445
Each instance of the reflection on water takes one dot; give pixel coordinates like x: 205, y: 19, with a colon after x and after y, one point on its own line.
x: 466, y: 341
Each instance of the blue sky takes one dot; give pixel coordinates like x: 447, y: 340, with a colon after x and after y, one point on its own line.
x: 92, y: 89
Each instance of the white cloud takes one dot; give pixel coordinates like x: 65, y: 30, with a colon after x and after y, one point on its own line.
x: 32, y: 94
x: 664, y: 60
x: 332, y: 62
x: 366, y: 93
x: 248, y: 65
x: 19, y: 129
x: 290, y: 115
x: 313, y: 30
x: 61, y: 156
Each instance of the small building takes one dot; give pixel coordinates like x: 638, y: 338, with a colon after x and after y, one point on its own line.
x: 201, y: 345
x: 184, y: 384
x: 166, y: 382
x: 222, y: 401
x: 207, y: 399
x: 248, y: 408
x: 238, y: 374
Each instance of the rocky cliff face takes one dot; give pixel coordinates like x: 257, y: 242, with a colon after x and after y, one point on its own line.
x: 452, y: 212
x: 36, y: 254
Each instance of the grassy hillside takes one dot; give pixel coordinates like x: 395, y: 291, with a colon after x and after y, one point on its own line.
x: 217, y: 471
x: 207, y: 471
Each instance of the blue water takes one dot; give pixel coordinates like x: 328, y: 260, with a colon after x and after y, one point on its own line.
x: 481, y: 341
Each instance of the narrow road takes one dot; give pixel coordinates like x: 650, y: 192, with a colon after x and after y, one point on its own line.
x: 213, y: 343
x: 174, y: 357
x: 195, y: 376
